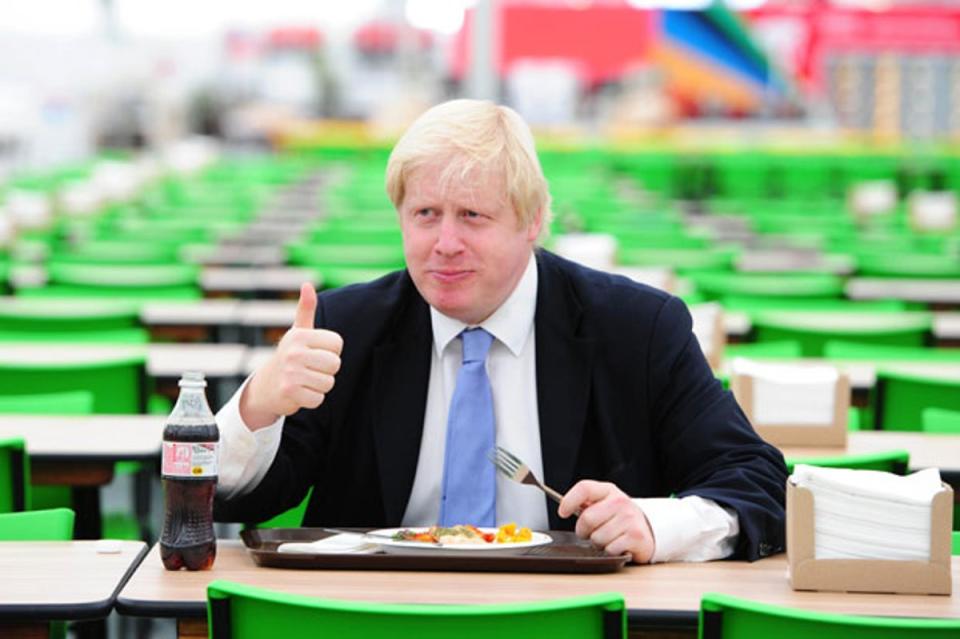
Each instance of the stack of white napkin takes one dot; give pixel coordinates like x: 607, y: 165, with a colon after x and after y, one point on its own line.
x: 867, y: 514
x: 790, y: 394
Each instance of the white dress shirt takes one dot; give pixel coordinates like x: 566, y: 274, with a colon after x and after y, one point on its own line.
x: 687, y: 529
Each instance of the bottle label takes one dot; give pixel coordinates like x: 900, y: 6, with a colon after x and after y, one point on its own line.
x: 189, y: 459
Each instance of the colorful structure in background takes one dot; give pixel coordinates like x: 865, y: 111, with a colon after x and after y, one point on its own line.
x: 711, y: 60
x: 893, y: 72
x: 707, y: 59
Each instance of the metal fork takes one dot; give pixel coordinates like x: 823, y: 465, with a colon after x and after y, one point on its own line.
x: 513, y: 468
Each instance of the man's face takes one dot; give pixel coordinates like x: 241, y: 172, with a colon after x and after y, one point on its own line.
x: 464, y: 246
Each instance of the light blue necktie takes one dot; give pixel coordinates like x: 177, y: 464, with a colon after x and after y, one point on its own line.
x: 469, y: 479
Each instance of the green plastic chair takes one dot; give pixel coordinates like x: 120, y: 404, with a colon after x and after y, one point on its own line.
x: 813, y: 330
x: 238, y: 611
x: 787, y: 349
x: 917, y: 265
x: 117, y: 384
x: 117, y: 252
x: 812, y: 286
x: 388, y: 256
x: 66, y: 403
x: 14, y: 475
x: 939, y: 420
x: 62, y: 316
x: 956, y: 542
x: 681, y: 260
x: 890, y: 461
x: 177, y: 281
x: 726, y: 617
x: 112, y: 336
x: 842, y: 350
x: 53, y: 524
x: 899, y: 399
x: 292, y: 518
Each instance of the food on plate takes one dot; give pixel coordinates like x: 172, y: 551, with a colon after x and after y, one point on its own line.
x: 466, y: 534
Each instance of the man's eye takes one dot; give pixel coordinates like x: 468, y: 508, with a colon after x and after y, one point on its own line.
x: 471, y: 214
x: 423, y: 212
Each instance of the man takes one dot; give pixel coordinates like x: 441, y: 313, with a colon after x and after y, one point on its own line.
x: 595, y: 381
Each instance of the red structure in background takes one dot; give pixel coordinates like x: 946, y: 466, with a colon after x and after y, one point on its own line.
x: 603, y: 41
x: 808, y: 31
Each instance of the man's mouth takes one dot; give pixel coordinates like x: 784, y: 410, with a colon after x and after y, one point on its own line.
x: 450, y: 275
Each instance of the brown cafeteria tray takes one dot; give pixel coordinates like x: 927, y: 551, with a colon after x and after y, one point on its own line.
x: 566, y: 553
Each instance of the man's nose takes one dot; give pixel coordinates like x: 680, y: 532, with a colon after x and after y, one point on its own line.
x: 448, y: 236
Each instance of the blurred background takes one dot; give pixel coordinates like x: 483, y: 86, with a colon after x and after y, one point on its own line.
x: 81, y: 76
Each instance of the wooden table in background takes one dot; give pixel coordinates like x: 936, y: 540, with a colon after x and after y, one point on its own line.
x: 663, y: 599
x: 80, y: 451
x: 60, y: 580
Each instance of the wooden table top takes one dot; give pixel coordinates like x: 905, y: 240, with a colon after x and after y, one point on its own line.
x: 926, y: 450
x: 664, y: 594
x: 911, y: 289
x: 162, y: 360
x: 49, y: 580
x: 862, y: 373
x: 945, y: 324
x: 87, y: 437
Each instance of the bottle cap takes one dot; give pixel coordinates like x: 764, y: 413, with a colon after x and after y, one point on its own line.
x: 192, y: 378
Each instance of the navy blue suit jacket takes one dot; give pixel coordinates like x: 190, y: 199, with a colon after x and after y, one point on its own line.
x: 624, y: 395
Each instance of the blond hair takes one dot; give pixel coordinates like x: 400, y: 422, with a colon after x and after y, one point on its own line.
x: 474, y: 135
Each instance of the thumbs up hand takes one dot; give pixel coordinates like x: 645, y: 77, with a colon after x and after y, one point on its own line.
x: 299, y: 374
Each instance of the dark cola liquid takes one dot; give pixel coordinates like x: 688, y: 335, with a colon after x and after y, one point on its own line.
x: 188, y: 540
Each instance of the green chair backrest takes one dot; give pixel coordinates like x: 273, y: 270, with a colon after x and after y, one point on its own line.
x: 239, y: 611
x: 891, y: 461
x: 168, y: 281
x: 899, y: 399
x: 292, y: 518
x: 78, y: 402
x: 940, y: 420
x: 813, y: 330
x: 726, y: 617
x: 717, y: 285
x: 787, y: 349
x: 118, y: 384
x: 956, y: 542
x: 111, y: 336
x: 36, y: 315
x: 839, y: 349
x: 54, y: 524
x: 14, y: 475
x: 117, y: 252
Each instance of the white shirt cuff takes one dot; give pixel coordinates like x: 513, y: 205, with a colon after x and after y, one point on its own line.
x: 690, y: 528
x: 245, y: 455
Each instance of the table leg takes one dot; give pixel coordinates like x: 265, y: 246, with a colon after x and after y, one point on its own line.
x: 24, y: 630
x: 662, y: 634
x: 191, y: 628
x: 89, y: 521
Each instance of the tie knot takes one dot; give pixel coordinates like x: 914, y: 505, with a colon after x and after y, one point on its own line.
x: 476, y: 343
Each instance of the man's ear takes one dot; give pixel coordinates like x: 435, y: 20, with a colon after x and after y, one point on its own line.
x: 533, y: 229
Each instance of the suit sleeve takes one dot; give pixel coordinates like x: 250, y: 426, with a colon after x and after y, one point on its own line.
x: 292, y: 471
x: 707, y: 444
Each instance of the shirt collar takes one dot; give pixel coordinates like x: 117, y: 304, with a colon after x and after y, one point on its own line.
x: 510, y: 324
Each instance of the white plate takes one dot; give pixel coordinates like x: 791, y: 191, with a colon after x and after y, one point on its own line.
x: 492, y: 550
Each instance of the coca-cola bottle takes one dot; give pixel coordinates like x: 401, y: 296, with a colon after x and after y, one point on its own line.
x: 189, y: 474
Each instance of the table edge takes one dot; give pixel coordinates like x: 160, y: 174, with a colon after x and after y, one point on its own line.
x: 74, y: 611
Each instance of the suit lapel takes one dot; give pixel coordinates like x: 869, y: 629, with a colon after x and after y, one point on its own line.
x: 564, y: 362
x: 401, y: 371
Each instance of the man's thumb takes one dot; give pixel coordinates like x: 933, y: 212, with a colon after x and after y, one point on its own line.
x: 306, y: 307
